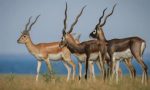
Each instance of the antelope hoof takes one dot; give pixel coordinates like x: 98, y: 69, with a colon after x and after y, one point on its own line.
x: 85, y: 77
x: 79, y: 78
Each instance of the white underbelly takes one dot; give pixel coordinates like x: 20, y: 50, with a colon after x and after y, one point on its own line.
x: 57, y: 56
x: 122, y: 55
x: 93, y: 56
x: 80, y: 57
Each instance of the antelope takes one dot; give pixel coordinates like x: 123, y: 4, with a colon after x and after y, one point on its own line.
x: 82, y: 58
x: 93, y: 49
x: 124, y: 48
x: 126, y: 61
x: 46, y: 51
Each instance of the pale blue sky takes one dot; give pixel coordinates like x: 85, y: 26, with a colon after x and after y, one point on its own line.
x: 130, y: 18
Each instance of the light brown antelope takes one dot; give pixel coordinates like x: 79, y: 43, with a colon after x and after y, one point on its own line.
x: 93, y: 49
x: 46, y: 51
x: 125, y: 48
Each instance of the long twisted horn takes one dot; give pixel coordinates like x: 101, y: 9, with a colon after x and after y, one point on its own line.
x: 108, y: 15
x: 33, y: 23
x: 102, y: 16
x: 26, y: 27
x: 76, y: 20
x: 65, y: 20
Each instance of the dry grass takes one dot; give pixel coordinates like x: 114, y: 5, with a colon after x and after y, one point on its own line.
x: 27, y: 82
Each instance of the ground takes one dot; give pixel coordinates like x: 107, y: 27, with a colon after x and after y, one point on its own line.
x: 27, y: 82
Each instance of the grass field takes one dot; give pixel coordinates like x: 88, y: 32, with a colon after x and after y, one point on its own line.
x: 27, y: 82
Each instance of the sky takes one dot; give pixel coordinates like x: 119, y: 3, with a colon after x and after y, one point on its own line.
x: 130, y: 18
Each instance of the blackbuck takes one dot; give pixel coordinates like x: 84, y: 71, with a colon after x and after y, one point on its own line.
x: 46, y: 51
x: 98, y: 33
x: 124, y: 48
x: 82, y: 58
x: 93, y: 49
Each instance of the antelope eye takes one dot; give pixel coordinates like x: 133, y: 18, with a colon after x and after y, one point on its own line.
x: 62, y: 38
x: 94, y: 32
x: 24, y: 36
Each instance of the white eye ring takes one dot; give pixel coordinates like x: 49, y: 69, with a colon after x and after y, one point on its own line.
x: 94, y: 32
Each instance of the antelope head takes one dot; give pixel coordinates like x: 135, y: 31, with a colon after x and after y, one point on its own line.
x: 67, y: 36
x: 98, y: 31
x: 25, y: 36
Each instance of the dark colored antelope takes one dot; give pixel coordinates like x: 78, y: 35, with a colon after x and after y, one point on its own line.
x: 126, y: 61
x: 46, y: 51
x: 82, y: 58
x: 93, y: 49
x: 125, y: 48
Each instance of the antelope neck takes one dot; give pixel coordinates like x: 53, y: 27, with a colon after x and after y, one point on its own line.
x: 30, y: 46
x: 101, y: 36
x: 74, y: 46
